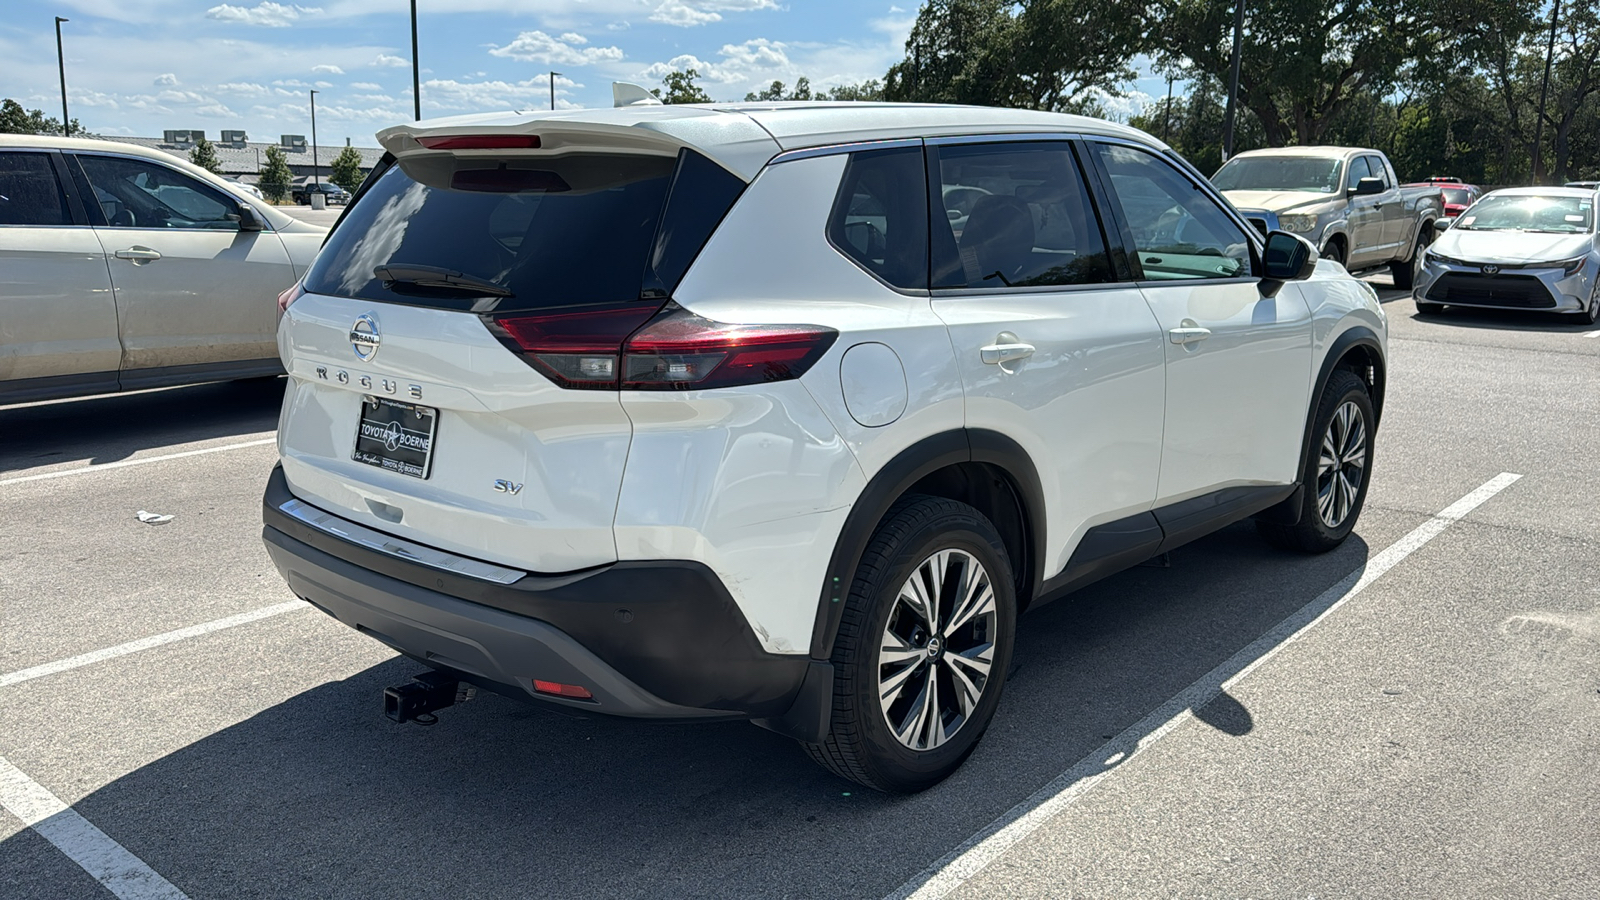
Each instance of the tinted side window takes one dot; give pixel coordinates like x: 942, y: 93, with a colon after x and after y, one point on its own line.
x: 1379, y: 170
x: 880, y: 215
x: 1015, y: 215
x: 1358, y: 171
x: 702, y: 193
x: 135, y: 193
x: 29, y: 191
x: 1179, y: 232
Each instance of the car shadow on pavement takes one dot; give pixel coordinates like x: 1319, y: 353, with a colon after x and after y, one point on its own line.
x: 321, y: 796
x: 115, y: 426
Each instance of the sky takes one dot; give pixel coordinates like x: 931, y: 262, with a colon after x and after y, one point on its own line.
x: 140, y: 67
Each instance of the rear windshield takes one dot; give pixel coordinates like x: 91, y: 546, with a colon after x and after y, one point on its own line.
x: 517, y: 234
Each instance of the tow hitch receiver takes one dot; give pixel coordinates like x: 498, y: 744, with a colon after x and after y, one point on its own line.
x: 428, y: 692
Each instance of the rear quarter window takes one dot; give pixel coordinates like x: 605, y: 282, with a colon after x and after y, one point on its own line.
x: 880, y: 215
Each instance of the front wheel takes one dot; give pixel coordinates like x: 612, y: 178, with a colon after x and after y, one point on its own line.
x: 1592, y: 314
x: 1337, y: 467
x: 923, y: 647
x: 1334, y: 251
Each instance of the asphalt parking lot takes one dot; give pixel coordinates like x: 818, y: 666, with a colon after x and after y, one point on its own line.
x: 1416, y: 714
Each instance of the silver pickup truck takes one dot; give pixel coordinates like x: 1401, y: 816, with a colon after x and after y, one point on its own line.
x: 1345, y: 200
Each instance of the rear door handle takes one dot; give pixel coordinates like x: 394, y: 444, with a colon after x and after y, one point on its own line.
x: 1189, y: 335
x: 143, y: 254
x: 1006, y: 348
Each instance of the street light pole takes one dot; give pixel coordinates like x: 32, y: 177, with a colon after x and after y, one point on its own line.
x: 416, y: 71
x: 1233, y: 82
x: 1166, y: 123
x: 553, y: 90
x: 1544, y: 89
x: 61, y: 62
x: 314, y: 179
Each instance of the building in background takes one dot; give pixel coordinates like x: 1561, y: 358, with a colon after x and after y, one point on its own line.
x: 242, y: 158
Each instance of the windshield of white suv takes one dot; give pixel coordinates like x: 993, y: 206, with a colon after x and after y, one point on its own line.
x: 1530, y: 212
x: 1278, y: 173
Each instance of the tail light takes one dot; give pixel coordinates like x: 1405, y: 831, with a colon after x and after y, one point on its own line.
x: 289, y: 296
x: 480, y: 142
x: 673, y: 350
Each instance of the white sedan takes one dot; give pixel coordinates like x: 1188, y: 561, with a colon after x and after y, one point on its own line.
x: 128, y: 268
x: 1521, y: 248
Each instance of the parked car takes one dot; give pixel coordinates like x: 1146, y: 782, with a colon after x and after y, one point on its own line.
x: 715, y: 418
x: 128, y: 268
x: 332, y: 193
x: 1521, y: 248
x: 1342, y: 199
x: 238, y: 185
x: 1455, y: 195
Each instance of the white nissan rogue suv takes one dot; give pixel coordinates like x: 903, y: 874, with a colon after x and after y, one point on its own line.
x: 785, y: 412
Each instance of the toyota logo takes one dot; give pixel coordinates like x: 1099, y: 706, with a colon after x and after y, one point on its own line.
x: 1490, y: 270
x: 364, y: 338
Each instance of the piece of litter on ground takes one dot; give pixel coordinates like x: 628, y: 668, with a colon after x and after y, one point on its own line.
x: 150, y: 518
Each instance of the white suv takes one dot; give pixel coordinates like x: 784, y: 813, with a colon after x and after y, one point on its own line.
x: 785, y: 412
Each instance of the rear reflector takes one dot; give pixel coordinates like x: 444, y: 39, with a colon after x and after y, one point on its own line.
x: 558, y: 689
x: 675, y: 350
x: 481, y: 142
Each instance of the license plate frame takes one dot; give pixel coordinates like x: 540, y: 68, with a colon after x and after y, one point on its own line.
x: 396, y: 436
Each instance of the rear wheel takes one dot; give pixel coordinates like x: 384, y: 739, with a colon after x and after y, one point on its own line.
x: 1337, y: 467
x: 923, y: 647
x: 1405, y: 273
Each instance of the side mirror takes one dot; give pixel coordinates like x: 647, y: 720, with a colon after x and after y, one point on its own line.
x: 1441, y: 225
x: 1288, y: 257
x: 1367, y: 187
x: 249, y: 219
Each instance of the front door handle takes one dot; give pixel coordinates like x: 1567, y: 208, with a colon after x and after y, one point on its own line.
x: 138, y: 254
x: 1006, y: 348
x: 1189, y: 334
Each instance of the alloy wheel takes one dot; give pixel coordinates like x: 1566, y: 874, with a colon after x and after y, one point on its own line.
x: 937, y: 650
x: 1342, y: 465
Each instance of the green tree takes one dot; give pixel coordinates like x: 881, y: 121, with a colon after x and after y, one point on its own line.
x: 204, y: 155
x: 681, y: 88
x: 777, y: 91
x: 1061, y: 55
x: 275, y: 175
x: 869, y: 90
x: 16, y: 120
x: 347, y: 169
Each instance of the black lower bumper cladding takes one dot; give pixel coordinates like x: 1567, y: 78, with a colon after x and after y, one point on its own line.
x: 654, y: 639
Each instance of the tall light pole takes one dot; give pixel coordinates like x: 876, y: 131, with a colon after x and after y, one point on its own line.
x: 553, y: 90
x: 61, y: 62
x: 1544, y: 89
x: 1166, y: 124
x: 416, y: 71
x: 1233, y: 81
x: 314, y: 178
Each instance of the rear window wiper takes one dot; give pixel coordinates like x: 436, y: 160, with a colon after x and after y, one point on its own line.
x: 406, y: 275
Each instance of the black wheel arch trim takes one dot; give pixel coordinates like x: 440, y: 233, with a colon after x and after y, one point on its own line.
x: 900, y: 474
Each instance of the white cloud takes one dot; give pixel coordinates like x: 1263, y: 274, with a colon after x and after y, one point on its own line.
x: 689, y: 13
x: 536, y: 46
x: 291, y: 82
x: 323, y: 85
x: 166, y: 80
x: 247, y: 88
x: 491, y: 95
x: 216, y: 109
x: 384, y: 60
x: 266, y: 14
x: 328, y: 69
x: 366, y: 86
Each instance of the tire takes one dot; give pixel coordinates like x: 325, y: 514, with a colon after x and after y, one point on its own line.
x: 1334, y: 251
x: 1592, y: 314
x: 1405, y: 273
x: 885, y: 617
x: 1330, y: 504
x: 1429, y: 309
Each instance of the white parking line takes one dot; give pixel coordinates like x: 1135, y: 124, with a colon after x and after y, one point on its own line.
x: 967, y: 860
x: 123, y: 874
x: 73, y: 662
x: 124, y: 463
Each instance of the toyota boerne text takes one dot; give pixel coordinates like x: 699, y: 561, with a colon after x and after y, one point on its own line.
x: 786, y: 412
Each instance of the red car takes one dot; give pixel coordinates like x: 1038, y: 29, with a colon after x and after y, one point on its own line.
x: 1456, y: 194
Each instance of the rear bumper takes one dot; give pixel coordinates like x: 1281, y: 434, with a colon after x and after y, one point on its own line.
x: 659, y: 640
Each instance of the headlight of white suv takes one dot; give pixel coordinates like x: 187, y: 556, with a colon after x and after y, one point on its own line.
x: 1299, y: 223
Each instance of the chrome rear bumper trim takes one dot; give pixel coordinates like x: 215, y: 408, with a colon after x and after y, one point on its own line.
x: 396, y: 547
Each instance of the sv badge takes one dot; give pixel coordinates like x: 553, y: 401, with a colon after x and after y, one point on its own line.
x: 507, y: 487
